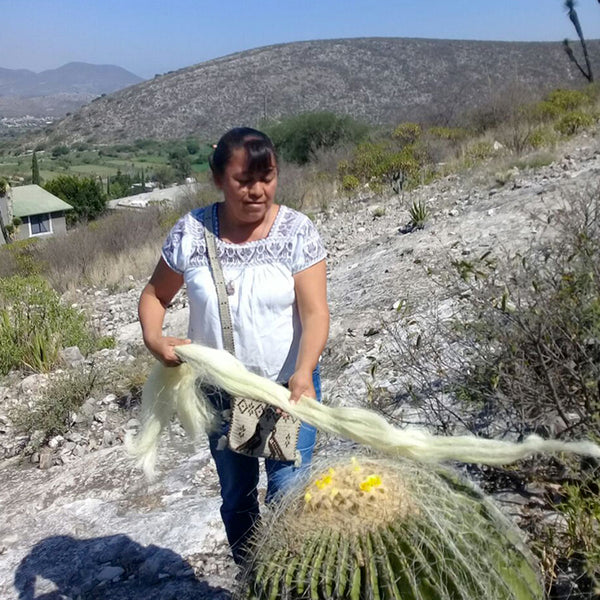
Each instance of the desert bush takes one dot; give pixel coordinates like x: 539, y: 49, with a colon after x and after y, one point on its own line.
x: 570, y: 552
x: 35, y: 325
x: 478, y: 152
x: 544, y: 111
x: 581, y: 509
x: 312, y: 185
x: 126, y: 379
x: 20, y: 258
x: 297, y: 138
x: 53, y: 411
x: 543, y: 366
x: 407, y: 133
x: 568, y: 100
x: 350, y: 183
x: 503, y: 106
x: 516, y: 136
x: 382, y: 162
x: 530, y: 358
x: 573, y: 122
x: 454, y: 134
x: 542, y: 137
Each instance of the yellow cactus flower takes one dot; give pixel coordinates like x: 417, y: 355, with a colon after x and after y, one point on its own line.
x: 372, y: 481
x: 323, y: 482
x: 307, y: 497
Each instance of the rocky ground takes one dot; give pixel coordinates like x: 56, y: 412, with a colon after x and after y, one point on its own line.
x: 79, y: 521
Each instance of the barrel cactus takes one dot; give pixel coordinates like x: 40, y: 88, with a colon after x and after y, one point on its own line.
x: 374, y: 529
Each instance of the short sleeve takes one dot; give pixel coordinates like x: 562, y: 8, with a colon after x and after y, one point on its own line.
x: 172, y: 250
x: 308, y: 249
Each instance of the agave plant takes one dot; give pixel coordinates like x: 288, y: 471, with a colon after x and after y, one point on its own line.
x: 388, y: 531
x: 418, y: 215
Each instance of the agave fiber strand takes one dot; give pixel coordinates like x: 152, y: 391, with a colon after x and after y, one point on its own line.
x: 173, y: 389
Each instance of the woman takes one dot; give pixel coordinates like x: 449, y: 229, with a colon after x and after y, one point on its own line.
x: 273, y: 263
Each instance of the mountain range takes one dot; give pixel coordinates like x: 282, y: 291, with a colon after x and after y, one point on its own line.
x: 378, y: 80
x: 50, y: 92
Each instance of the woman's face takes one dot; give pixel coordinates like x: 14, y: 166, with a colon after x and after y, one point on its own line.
x: 248, y: 196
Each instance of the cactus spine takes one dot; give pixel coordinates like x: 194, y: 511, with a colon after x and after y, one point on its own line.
x: 383, y: 530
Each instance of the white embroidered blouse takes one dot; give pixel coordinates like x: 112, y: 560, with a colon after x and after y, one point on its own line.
x: 259, y: 279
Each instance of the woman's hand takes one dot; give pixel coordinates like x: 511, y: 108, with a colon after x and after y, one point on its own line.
x: 163, y: 349
x: 301, y: 384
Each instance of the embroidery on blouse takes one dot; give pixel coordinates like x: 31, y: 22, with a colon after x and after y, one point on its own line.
x: 185, y: 246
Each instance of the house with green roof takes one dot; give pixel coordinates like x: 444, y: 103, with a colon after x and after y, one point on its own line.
x: 39, y: 212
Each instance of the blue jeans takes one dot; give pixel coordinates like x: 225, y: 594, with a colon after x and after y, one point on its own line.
x: 238, y: 476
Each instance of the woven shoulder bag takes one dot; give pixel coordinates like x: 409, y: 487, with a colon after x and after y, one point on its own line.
x: 256, y: 429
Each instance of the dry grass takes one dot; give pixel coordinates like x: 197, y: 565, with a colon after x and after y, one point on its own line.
x: 109, y: 252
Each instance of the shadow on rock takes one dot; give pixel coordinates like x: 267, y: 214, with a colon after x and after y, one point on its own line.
x: 108, y: 568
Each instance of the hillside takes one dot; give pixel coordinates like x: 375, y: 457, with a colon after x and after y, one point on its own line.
x: 380, y: 80
x: 79, y: 522
x: 50, y: 92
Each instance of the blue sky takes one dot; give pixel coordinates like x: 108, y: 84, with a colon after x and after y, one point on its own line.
x: 155, y: 36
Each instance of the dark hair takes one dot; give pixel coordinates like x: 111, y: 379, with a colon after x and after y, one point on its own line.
x: 258, y: 146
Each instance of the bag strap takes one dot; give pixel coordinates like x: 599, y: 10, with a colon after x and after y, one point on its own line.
x: 217, y: 274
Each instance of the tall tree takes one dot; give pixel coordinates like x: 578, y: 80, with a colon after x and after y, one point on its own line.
x: 35, y: 170
x: 574, y: 18
x: 85, y: 195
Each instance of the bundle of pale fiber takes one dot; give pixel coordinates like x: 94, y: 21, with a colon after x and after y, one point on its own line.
x: 175, y: 390
x: 388, y: 530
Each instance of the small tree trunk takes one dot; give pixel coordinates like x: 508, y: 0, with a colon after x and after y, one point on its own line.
x: 574, y: 18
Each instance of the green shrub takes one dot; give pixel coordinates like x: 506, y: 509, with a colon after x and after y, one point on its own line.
x: 541, y: 137
x: 60, y: 151
x: 544, y: 111
x: 567, y: 100
x: 84, y: 194
x: 126, y: 380
x: 382, y: 162
x: 556, y: 104
x: 581, y: 508
x: 573, y: 122
x: 478, y: 152
x: 407, y: 133
x: 297, y: 138
x: 350, y: 183
x: 453, y: 134
x: 35, y: 325
x: 53, y: 411
x: 20, y: 258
